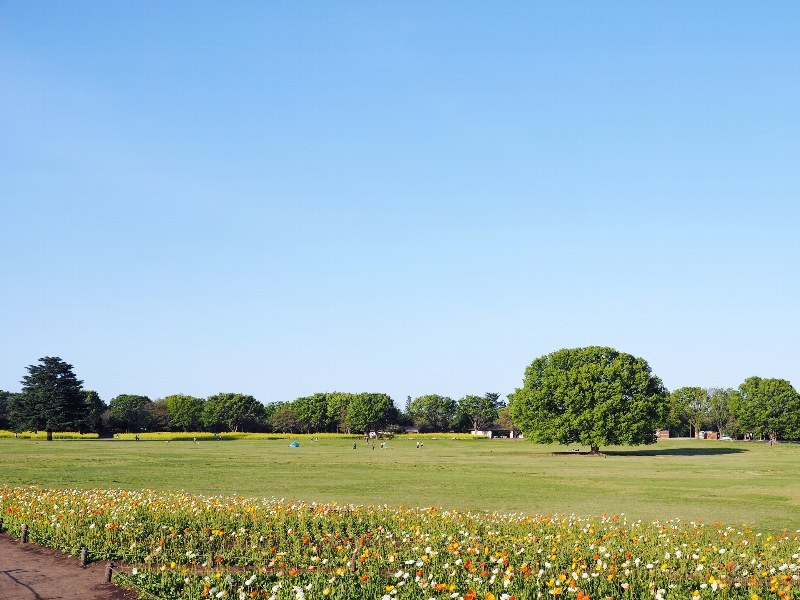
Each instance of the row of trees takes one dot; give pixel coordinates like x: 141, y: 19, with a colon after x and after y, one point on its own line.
x: 766, y: 408
x: 594, y: 396
x: 52, y: 398
x: 598, y: 396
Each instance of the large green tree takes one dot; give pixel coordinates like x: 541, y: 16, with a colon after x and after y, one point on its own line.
x: 51, y: 399
x: 233, y: 412
x: 690, y: 405
x: 768, y: 408
x: 184, y: 412
x: 338, y: 404
x: 432, y: 412
x: 595, y: 396
x: 368, y: 412
x: 312, y: 412
x: 480, y: 411
x: 131, y: 412
x: 720, y: 411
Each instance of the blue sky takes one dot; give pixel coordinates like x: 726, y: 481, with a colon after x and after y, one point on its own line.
x: 280, y: 198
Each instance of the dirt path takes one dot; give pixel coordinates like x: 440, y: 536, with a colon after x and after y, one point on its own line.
x: 30, y: 572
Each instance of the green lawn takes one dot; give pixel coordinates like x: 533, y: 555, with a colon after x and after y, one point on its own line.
x: 732, y: 482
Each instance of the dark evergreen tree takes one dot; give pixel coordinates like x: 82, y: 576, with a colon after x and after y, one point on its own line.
x: 52, y: 399
x: 5, y: 398
x: 93, y: 418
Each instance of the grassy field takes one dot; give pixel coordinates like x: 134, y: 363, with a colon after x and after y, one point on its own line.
x: 731, y: 482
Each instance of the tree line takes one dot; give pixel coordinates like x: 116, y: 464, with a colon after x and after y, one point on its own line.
x: 595, y: 396
x: 53, y: 399
x: 762, y: 408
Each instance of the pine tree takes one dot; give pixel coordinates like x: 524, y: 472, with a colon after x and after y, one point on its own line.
x: 52, y: 399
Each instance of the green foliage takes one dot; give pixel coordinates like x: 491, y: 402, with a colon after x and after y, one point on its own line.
x: 338, y: 405
x: 284, y: 420
x: 433, y: 412
x: 768, y: 408
x: 51, y: 399
x: 595, y: 396
x: 689, y: 405
x: 504, y: 419
x: 5, y: 398
x: 481, y: 411
x: 233, y: 412
x: 184, y: 412
x: 720, y: 412
x: 312, y: 412
x: 130, y: 412
x: 270, y: 409
x: 370, y: 411
x: 94, y: 409
x: 159, y: 416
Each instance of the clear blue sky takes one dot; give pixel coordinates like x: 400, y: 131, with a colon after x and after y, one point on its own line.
x: 280, y: 198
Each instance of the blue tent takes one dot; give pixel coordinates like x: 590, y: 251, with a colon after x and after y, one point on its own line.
x: 294, y: 445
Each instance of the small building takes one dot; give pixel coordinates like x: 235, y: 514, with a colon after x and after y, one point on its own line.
x: 662, y: 434
x: 494, y: 431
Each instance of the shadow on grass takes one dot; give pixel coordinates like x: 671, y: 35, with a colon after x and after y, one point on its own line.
x: 659, y: 452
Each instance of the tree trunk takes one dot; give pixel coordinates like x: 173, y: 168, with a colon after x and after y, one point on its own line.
x: 49, y: 435
x: 595, y: 450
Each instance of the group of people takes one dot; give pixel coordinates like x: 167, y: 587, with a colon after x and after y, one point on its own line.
x: 384, y: 446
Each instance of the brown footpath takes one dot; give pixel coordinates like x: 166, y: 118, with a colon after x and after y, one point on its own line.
x: 31, y: 572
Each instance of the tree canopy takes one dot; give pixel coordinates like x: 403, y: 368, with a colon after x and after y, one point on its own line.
x: 433, y: 412
x: 184, y: 412
x: 768, y: 407
x: 689, y: 405
x: 52, y: 399
x: 480, y: 411
x: 94, y: 408
x: 312, y: 412
x: 369, y: 411
x: 233, y: 412
x: 5, y: 402
x: 131, y: 412
x: 595, y: 396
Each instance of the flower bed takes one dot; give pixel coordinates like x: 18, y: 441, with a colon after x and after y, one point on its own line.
x: 190, y: 546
